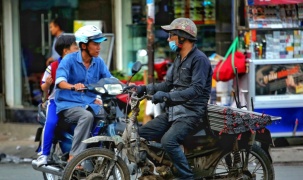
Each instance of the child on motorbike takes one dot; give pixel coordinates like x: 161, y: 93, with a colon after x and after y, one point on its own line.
x: 65, y: 44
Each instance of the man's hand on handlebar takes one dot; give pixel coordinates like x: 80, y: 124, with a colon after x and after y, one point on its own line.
x: 78, y: 87
x: 160, y: 97
x: 140, y: 90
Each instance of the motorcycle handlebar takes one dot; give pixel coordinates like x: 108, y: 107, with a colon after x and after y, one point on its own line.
x: 82, y: 89
x: 147, y: 96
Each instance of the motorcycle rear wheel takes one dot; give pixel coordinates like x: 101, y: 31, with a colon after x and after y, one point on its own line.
x: 92, y: 164
x: 259, y: 165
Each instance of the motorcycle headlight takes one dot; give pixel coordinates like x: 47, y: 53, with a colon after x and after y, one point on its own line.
x: 100, y: 90
x: 113, y: 89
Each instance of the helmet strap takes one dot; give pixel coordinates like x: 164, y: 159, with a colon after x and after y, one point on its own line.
x: 180, y: 43
x: 86, y: 50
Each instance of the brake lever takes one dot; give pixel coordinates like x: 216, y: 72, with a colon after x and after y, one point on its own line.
x: 148, y: 97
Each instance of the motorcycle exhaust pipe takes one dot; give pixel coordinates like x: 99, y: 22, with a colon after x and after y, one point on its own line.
x: 47, y: 169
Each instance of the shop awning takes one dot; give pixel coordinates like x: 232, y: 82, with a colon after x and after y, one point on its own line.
x: 273, y: 2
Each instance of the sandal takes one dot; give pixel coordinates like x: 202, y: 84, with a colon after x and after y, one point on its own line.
x: 79, y: 167
x: 70, y: 158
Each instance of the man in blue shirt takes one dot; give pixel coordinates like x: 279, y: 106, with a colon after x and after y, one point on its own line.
x: 77, y: 70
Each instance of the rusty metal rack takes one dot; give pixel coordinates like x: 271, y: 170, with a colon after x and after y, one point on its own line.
x: 235, y: 121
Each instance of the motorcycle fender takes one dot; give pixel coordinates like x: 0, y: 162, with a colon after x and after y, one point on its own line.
x: 115, y: 139
x: 264, y: 137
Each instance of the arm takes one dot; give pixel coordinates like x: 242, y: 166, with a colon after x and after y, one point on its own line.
x: 46, y: 85
x: 62, y: 76
x: 165, y: 86
x: 46, y: 82
x: 49, y: 60
x: 260, y: 75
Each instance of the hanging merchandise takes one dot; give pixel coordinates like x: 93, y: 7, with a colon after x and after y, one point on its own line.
x: 179, y: 8
x: 200, y: 11
x: 225, y: 70
x: 209, y: 12
x: 275, y: 16
x: 195, y: 11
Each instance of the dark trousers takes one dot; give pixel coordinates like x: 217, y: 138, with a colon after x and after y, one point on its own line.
x: 172, y: 135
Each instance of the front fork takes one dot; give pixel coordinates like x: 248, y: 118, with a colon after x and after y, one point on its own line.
x: 114, y: 161
x: 111, y: 166
x: 249, y: 148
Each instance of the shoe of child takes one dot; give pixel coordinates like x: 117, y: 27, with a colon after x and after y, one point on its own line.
x: 41, y: 160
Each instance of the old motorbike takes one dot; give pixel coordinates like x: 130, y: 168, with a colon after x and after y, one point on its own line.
x: 233, y: 144
x: 109, y: 123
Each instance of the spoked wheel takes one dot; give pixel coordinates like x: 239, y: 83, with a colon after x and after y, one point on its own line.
x: 93, y: 164
x: 259, y: 165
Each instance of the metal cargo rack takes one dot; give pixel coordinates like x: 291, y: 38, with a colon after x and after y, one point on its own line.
x: 235, y: 121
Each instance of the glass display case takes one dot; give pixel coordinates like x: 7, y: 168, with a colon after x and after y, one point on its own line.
x: 273, y: 41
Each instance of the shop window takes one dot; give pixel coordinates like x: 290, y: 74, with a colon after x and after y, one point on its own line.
x: 202, y: 12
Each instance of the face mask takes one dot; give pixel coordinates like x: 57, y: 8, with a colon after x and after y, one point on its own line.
x: 173, y: 46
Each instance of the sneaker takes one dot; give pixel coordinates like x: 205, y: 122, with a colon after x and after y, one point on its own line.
x: 41, y: 160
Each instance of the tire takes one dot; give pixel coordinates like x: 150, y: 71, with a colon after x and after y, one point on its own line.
x: 259, y: 165
x: 93, y: 165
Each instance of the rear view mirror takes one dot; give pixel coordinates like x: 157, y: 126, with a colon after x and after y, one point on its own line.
x: 136, y: 67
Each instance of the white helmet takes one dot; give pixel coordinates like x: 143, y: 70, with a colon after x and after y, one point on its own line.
x: 89, y: 32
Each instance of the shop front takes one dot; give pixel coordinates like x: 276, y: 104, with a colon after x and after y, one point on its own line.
x: 273, y: 39
x: 27, y: 44
x: 27, y: 38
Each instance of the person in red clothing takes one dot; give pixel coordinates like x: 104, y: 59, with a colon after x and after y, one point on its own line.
x: 65, y: 44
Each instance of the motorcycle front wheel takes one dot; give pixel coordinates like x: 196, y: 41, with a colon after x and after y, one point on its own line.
x: 93, y: 164
x: 259, y: 165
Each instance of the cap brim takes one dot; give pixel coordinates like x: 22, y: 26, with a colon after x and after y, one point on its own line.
x: 100, y: 40
x: 166, y: 28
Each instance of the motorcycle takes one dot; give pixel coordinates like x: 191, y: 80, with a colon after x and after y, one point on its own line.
x: 110, y: 123
x: 233, y: 144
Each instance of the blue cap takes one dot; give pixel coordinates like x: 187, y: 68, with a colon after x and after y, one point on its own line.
x: 99, y: 40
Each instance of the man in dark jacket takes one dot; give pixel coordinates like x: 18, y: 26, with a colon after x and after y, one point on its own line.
x: 186, y: 91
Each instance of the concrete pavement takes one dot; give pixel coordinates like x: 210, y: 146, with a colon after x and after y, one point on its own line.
x: 17, y: 142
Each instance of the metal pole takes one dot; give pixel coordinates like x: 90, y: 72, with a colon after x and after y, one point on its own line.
x: 234, y: 18
x: 150, y: 38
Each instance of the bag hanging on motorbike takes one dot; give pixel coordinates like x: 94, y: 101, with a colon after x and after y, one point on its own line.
x: 225, y: 70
